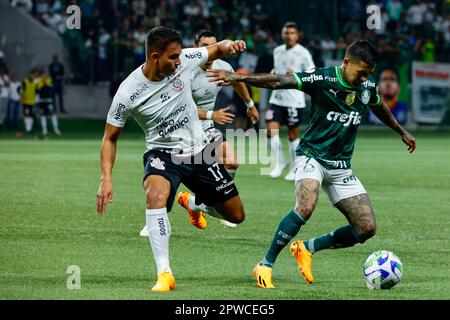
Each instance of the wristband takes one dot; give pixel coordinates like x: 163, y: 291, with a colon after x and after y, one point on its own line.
x: 250, y: 104
x: 209, y: 115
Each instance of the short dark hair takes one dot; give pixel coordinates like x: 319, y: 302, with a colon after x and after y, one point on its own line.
x: 203, y: 33
x: 362, y: 50
x: 159, y: 38
x: 291, y: 24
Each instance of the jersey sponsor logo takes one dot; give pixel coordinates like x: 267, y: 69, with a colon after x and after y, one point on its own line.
x: 162, y: 122
x: 117, y: 111
x: 162, y: 226
x: 331, y: 79
x: 365, y: 96
x: 369, y: 83
x: 349, y: 178
x: 157, y: 163
x: 173, y: 126
x: 346, y: 119
x: 225, y: 185
x: 312, y: 78
x: 193, y: 55
x: 138, y: 91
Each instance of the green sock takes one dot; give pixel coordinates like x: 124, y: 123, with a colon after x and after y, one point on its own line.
x: 342, y: 237
x: 288, y: 228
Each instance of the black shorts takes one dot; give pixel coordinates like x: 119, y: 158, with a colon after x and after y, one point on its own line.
x: 210, y: 183
x: 46, y: 108
x: 284, y: 115
x: 28, y: 110
x: 215, y: 136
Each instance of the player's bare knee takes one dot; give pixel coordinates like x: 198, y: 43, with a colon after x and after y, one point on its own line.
x: 238, y: 217
x: 156, y: 198
x: 366, y: 229
x: 305, y: 210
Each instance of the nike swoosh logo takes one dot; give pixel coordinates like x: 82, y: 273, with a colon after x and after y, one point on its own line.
x: 195, y: 90
x: 228, y: 191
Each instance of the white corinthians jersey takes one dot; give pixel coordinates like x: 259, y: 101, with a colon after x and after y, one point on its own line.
x: 164, y: 109
x: 205, y: 92
x: 295, y: 59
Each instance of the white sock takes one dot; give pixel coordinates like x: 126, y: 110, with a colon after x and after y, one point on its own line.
x: 277, y: 149
x: 202, y: 207
x: 28, y: 123
x: 55, y: 123
x: 293, y: 145
x: 158, y: 226
x: 195, y: 207
x: 44, y: 125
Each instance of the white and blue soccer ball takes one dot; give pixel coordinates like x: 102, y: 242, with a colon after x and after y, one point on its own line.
x: 382, y: 270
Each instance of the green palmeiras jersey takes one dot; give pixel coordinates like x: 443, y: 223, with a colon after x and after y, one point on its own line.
x: 336, y: 113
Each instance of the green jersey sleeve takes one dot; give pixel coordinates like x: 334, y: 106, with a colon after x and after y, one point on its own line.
x: 375, y: 98
x: 308, y: 82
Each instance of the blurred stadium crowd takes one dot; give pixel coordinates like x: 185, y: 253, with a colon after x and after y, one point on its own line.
x: 109, y: 44
x: 112, y: 32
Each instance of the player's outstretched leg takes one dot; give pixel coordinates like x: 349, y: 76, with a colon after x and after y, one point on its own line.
x: 263, y: 276
x: 304, y: 259
x: 196, y: 216
x: 307, y: 194
x: 228, y: 158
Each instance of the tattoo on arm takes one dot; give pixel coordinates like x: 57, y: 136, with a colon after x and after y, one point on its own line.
x: 269, y: 80
x: 385, y: 115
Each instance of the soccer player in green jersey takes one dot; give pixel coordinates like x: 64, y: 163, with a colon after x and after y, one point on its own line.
x: 340, y: 96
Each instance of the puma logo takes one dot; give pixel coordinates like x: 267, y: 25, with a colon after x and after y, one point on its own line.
x: 334, y: 92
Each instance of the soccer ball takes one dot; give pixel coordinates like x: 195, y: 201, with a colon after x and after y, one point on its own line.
x: 382, y: 270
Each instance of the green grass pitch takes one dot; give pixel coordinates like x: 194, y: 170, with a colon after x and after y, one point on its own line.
x: 48, y: 222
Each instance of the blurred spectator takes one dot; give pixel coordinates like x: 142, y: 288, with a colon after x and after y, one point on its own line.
x: 429, y: 50
x: 4, y: 94
x: 53, y: 20
x: 13, y: 114
x: 44, y: 89
x: 389, y: 89
x: 416, y: 13
x: 28, y: 99
x: 3, y: 62
x: 327, y: 45
x: 394, y: 9
x: 56, y: 70
x: 26, y: 5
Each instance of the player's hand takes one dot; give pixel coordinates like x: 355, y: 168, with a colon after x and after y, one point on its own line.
x: 222, y: 116
x: 410, y: 141
x: 253, y: 115
x: 234, y: 47
x: 104, y: 196
x: 221, y: 77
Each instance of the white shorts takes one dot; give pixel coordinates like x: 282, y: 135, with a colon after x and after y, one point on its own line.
x: 339, y: 184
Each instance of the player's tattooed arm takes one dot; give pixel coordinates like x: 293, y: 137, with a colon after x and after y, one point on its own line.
x: 385, y: 115
x: 262, y: 80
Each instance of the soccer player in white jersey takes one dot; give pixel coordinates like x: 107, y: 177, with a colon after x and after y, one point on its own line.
x: 286, y: 105
x: 205, y: 93
x: 158, y: 95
